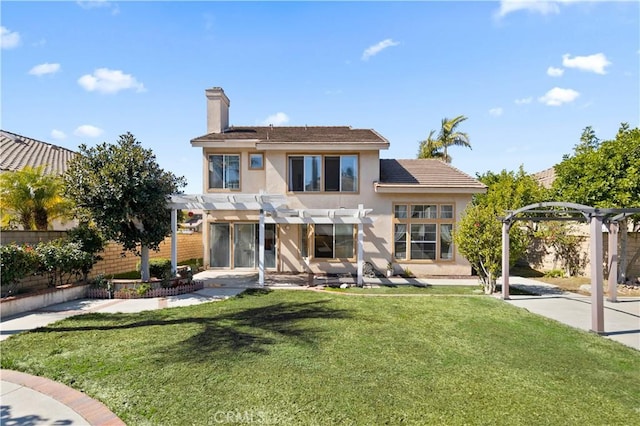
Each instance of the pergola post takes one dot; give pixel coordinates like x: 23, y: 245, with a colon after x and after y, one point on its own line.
x: 597, y: 302
x: 261, y: 249
x: 174, y: 242
x: 613, y: 261
x: 360, y: 254
x: 505, y: 260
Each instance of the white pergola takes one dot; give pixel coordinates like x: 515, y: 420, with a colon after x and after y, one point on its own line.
x: 272, y: 209
x: 596, y: 217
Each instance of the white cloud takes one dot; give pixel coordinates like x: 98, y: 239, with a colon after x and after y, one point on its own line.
x: 88, y: 131
x: 8, y: 39
x: 277, y: 119
x: 523, y: 101
x: 105, y: 80
x: 94, y: 4
x: 377, y: 48
x: 58, y: 134
x: 594, y: 63
x: 496, y: 112
x: 555, y: 72
x: 541, y: 7
x: 45, y: 68
x: 558, y: 96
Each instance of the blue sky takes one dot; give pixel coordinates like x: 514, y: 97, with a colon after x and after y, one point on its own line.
x: 530, y: 76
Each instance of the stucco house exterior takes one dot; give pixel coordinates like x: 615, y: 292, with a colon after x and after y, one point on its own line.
x: 331, y: 202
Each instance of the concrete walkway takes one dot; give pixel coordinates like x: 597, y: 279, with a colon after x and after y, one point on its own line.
x: 621, y: 319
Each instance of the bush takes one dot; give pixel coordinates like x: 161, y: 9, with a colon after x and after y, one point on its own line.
x: 90, y: 241
x: 16, y: 262
x: 60, y: 260
x: 554, y: 273
x: 159, y: 268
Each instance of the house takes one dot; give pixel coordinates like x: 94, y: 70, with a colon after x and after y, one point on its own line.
x: 327, y: 200
x: 18, y: 151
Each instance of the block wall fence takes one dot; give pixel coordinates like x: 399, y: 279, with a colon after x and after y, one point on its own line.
x: 114, y: 261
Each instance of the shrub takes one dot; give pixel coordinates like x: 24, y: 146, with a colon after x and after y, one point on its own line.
x: 143, y: 288
x: 159, y: 268
x: 554, y: 273
x: 16, y: 262
x: 90, y: 241
x: 60, y: 260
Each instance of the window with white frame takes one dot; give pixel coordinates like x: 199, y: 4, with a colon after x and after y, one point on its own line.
x: 329, y: 173
x: 423, y: 232
x: 224, y: 171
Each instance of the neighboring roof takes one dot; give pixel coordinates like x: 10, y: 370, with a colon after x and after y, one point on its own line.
x: 17, y: 151
x: 301, y: 134
x: 546, y: 177
x: 426, y: 173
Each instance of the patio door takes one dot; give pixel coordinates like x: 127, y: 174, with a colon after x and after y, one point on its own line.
x: 219, y: 242
x: 245, y: 242
x: 236, y: 245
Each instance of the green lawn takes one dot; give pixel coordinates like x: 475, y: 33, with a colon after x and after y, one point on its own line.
x: 301, y: 357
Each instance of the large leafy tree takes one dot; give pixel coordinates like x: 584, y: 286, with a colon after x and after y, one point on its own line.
x: 32, y: 198
x: 603, y: 174
x: 478, y: 235
x: 123, y: 189
x: 449, y: 135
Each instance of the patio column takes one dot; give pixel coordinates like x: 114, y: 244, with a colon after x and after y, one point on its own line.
x: 597, y: 303
x: 505, y: 260
x: 261, y: 249
x: 174, y: 241
x: 360, y: 281
x: 613, y: 261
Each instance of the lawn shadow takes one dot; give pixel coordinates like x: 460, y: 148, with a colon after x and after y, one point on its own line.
x: 250, y: 330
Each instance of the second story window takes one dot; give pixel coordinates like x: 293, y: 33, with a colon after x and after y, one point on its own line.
x: 224, y: 171
x: 329, y: 173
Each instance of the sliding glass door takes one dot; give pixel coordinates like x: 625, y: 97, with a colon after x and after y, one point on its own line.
x: 240, y: 242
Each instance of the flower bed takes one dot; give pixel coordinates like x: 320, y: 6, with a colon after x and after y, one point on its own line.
x: 133, y: 293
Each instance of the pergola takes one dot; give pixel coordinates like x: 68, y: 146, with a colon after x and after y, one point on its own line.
x: 596, y: 217
x: 272, y: 209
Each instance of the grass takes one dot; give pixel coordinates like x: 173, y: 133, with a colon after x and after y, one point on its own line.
x: 302, y: 357
x: 409, y: 290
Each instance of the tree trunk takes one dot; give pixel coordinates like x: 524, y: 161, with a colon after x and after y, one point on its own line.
x: 144, y: 263
x: 41, y: 219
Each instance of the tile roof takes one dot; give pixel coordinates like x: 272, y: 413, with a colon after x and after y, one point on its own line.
x: 308, y: 134
x: 426, y: 173
x: 17, y: 151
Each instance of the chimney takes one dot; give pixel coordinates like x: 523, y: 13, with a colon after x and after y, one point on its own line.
x: 217, y: 110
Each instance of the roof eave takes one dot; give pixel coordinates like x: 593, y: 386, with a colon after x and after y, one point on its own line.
x: 425, y: 189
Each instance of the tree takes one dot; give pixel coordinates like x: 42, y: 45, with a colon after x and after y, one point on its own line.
x: 478, y: 235
x: 122, y: 188
x: 603, y: 174
x: 448, y: 136
x: 431, y: 148
x: 31, y: 198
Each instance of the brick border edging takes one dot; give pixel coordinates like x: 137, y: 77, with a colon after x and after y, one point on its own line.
x: 95, y: 412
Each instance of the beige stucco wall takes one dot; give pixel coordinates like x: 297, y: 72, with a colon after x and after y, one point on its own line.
x: 378, y: 237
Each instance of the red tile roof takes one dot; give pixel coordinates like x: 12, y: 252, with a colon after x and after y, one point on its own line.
x: 426, y: 173
x: 17, y: 151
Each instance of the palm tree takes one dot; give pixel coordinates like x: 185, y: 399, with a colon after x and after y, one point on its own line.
x: 448, y: 136
x: 431, y: 148
x: 31, y: 198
